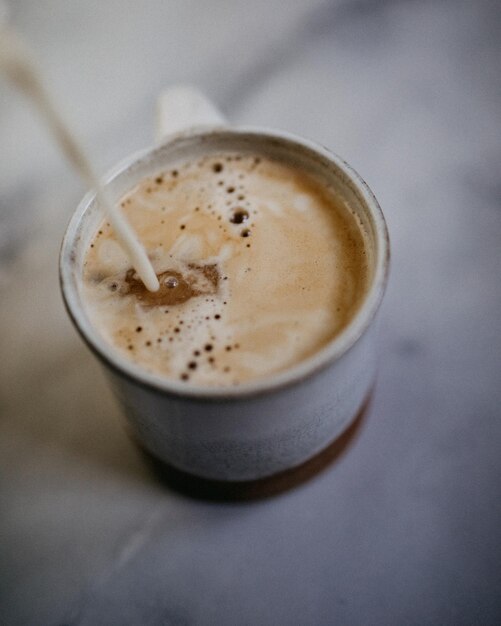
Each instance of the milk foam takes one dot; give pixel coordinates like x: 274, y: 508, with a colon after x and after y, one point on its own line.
x: 259, y: 268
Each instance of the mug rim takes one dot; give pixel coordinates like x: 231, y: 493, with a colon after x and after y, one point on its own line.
x: 294, y: 375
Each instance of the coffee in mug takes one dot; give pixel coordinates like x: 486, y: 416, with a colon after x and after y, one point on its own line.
x: 259, y: 264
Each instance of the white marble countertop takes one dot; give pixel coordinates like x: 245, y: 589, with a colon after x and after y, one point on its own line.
x: 406, y: 527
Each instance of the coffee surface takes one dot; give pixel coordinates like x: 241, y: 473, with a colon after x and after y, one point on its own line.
x: 259, y: 267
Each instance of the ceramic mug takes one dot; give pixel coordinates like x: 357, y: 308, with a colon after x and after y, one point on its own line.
x: 260, y: 428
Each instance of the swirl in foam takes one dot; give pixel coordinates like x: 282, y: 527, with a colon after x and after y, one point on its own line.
x: 259, y: 268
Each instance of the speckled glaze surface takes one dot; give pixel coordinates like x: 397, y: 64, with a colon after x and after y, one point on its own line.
x: 259, y: 428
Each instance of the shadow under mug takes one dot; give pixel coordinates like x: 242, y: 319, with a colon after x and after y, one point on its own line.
x: 264, y: 427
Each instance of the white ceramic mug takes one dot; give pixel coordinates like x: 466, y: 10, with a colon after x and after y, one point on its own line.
x: 262, y: 427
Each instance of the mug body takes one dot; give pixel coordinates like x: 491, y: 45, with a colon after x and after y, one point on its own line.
x: 262, y: 427
x: 250, y: 437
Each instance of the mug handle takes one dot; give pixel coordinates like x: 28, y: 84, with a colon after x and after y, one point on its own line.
x: 183, y: 107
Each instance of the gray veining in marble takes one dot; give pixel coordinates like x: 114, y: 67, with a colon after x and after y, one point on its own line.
x: 406, y: 527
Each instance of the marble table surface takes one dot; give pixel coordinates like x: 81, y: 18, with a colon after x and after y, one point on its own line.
x: 405, y: 528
